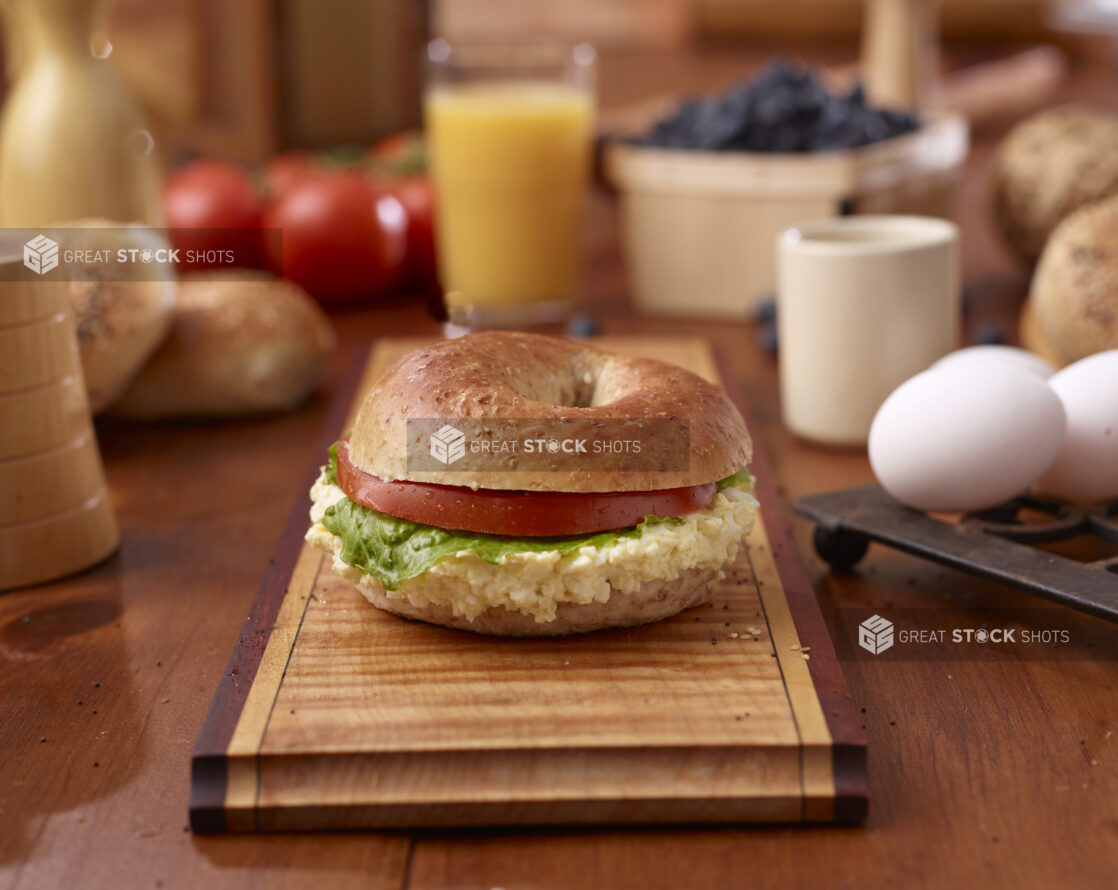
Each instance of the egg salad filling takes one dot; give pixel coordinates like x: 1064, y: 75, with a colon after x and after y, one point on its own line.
x: 471, y: 572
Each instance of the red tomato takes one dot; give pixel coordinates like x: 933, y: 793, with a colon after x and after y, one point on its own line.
x: 417, y: 196
x: 516, y: 513
x: 341, y: 239
x: 212, y: 209
x: 283, y: 171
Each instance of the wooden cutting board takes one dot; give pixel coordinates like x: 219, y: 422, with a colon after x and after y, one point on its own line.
x: 333, y: 714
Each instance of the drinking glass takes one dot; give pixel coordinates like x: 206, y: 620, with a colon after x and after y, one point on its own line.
x: 509, y: 132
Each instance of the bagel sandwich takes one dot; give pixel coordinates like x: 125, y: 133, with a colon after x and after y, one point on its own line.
x: 521, y: 485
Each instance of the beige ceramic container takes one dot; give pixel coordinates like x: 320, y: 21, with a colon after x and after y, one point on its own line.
x: 55, y: 514
x: 698, y: 227
x: 863, y: 304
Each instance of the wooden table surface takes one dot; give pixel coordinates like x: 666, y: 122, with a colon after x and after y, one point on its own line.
x: 982, y: 774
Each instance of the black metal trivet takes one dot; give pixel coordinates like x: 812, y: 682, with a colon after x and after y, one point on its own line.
x: 999, y: 543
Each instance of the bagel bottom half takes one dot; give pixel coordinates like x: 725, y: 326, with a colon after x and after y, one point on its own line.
x: 669, y: 567
x: 651, y: 601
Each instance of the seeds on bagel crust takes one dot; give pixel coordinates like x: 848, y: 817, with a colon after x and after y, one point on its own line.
x: 525, y: 377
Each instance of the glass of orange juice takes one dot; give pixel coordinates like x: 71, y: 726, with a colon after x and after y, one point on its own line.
x: 509, y: 132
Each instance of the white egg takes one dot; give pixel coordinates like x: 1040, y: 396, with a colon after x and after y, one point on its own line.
x: 1086, y: 468
x: 977, y: 356
x: 953, y: 439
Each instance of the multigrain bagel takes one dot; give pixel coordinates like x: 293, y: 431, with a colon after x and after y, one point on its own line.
x: 1049, y: 166
x: 541, y: 380
x: 1073, y: 299
x: 547, y: 551
x: 652, y: 601
x: 248, y: 346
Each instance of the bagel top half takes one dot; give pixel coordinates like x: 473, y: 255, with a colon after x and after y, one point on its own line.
x: 530, y: 377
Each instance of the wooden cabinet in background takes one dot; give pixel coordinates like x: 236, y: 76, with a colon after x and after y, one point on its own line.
x: 246, y: 78
x: 249, y: 78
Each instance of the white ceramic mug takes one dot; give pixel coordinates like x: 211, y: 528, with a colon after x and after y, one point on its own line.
x: 864, y: 303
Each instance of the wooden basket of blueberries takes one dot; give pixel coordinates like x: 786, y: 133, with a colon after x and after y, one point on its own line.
x: 705, y: 193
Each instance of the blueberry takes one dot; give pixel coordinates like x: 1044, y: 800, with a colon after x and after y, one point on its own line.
x: 769, y: 339
x: 876, y: 129
x: 786, y: 108
x: 766, y: 309
x: 582, y: 325
x: 989, y: 334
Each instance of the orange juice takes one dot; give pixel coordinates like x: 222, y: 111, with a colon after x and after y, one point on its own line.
x: 510, y: 161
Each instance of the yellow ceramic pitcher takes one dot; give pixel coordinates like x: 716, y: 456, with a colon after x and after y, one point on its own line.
x: 73, y: 143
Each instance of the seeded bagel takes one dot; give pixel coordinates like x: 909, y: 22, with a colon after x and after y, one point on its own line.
x: 1049, y: 166
x: 1073, y: 301
x: 540, y: 380
x: 536, y: 549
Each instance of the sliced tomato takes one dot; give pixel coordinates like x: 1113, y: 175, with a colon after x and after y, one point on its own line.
x: 528, y: 514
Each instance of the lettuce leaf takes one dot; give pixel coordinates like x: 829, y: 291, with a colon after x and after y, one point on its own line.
x: 741, y: 479
x: 332, y: 464
x: 392, y: 550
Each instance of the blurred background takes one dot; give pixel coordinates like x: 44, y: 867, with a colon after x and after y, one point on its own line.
x: 247, y: 78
